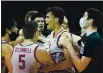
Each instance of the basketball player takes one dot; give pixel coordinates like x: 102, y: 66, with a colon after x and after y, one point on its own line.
x: 28, y: 56
x: 17, y: 39
x: 8, y: 27
x: 65, y: 23
x: 39, y: 19
x: 74, y: 38
x: 91, y: 47
x: 59, y: 53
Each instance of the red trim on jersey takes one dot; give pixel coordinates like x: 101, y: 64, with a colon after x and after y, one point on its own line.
x: 59, y: 37
x: 35, y: 54
x: 57, y: 33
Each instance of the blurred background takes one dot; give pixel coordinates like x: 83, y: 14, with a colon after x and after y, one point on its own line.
x: 73, y: 11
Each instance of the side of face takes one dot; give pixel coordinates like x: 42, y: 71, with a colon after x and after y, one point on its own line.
x: 12, y: 33
x: 84, y: 21
x: 65, y: 24
x: 40, y: 22
x: 50, y: 21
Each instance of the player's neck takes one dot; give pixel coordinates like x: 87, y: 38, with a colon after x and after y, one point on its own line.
x: 40, y: 33
x: 90, y: 30
x: 57, y: 29
x: 35, y: 39
x: 30, y: 41
x: 6, y: 38
x: 27, y: 42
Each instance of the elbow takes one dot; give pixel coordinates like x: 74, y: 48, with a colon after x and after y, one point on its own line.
x: 80, y: 69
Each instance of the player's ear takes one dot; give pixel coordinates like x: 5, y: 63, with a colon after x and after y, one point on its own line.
x: 90, y: 21
x: 56, y: 19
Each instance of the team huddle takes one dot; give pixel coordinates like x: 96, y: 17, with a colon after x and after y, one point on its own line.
x: 60, y: 51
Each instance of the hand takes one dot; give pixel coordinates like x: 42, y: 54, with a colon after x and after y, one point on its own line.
x: 64, y: 41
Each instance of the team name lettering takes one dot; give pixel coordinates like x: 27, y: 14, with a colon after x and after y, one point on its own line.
x: 26, y: 50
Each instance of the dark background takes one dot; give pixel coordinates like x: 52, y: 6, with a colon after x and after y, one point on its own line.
x: 73, y: 11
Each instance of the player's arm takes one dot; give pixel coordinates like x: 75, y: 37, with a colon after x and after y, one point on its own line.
x: 19, y: 40
x: 80, y: 64
x: 7, y: 54
x: 75, y: 40
x: 43, y: 56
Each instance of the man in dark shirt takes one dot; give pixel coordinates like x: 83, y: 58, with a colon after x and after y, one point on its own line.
x: 91, y: 45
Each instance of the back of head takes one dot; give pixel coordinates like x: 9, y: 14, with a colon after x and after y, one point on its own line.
x: 29, y: 29
x: 96, y: 15
x: 57, y: 12
x: 7, y: 24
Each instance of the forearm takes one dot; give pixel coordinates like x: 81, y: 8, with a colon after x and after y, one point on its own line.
x: 75, y: 58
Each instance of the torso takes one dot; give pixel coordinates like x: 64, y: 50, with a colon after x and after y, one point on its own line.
x: 23, y: 59
x: 67, y: 63
x: 94, y: 51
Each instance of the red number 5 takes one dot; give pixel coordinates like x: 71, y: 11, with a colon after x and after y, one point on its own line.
x: 22, y: 61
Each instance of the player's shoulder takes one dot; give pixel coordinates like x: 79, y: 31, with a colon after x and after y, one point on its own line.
x: 6, y: 48
x: 40, y: 49
x: 65, y: 35
x: 74, y: 36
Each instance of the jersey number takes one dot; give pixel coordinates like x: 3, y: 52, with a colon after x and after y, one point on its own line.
x: 22, y: 61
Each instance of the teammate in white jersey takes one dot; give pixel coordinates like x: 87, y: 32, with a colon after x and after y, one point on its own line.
x: 54, y: 19
x: 28, y: 56
x: 54, y: 41
x: 59, y: 53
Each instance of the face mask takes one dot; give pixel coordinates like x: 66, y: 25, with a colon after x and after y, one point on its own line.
x: 13, y: 36
x: 81, y: 23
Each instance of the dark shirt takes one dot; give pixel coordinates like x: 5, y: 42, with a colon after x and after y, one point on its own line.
x: 92, y: 47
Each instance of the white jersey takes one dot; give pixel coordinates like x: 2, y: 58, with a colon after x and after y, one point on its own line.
x: 23, y: 58
x: 57, y: 53
x: 54, y: 39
